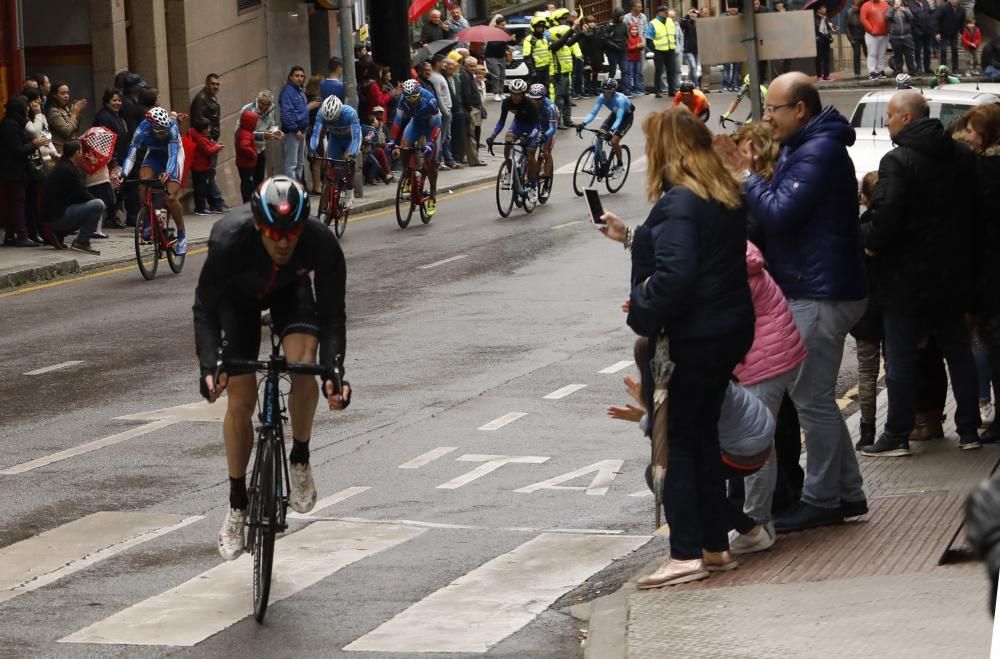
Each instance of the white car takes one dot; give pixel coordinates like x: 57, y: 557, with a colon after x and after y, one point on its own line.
x: 868, y: 120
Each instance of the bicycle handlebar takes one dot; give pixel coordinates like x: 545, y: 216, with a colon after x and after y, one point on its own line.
x: 521, y: 142
x: 597, y: 131
x: 724, y: 120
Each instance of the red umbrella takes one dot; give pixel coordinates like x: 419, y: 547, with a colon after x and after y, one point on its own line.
x: 482, y: 34
x: 419, y: 8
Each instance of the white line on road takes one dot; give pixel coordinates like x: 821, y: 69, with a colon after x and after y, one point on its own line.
x: 220, y: 597
x: 442, y: 262
x: 326, y: 502
x: 47, y: 557
x: 565, y: 391
x: 495, y: 424
x: 617, y: 366
x: 567, y: 224
x: 490, y: 464
x: 88, y: 447
x: 429, y: 456
x: 472, y: 527
x: 55, y: 367
x: 641, y: 494
x: 485, y: 606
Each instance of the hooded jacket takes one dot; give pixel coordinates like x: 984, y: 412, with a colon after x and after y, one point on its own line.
x: 808, y: 213
x: 988, y: 168
x: 919, y: 231
x: 204, y: 149
x: 15, y: 142
x: 777, y: 345
x: 246, y: 145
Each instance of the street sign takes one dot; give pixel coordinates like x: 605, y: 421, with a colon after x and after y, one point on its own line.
x: 780, y: 35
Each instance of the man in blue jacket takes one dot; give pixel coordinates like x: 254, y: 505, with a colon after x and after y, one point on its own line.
x: 294, y: 123
x: 808, y: 213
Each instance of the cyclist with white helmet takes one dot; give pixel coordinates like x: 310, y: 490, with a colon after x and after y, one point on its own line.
x: 904, y: 81
x: 343, y: 137
x: 524, y: 125
x: 161, y: 136
x: 418, y: 116
x: 743, y: 93
x: 617, y: 123
x: 548, y: 122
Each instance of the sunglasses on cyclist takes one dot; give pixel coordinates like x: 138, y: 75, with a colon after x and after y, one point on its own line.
x: 277, y: 235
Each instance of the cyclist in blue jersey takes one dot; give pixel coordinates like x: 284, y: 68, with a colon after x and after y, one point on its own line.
x: 525, y: 125
x: 618, y: 121
x: 159, y: 133
x: 343, y: 138
x: 548, y: 123
x: 418, y: 116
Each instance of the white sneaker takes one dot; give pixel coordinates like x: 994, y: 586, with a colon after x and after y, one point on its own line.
x: 302, y: 498
x: 348, y: 198
x: 987, y: 413
x: 750, y: 543
x: 231, y: 538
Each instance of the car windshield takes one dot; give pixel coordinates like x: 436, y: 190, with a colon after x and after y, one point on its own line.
x: 872, y: 114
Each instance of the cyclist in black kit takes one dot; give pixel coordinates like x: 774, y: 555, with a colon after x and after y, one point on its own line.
x: 258, y: 259
x: 525, y: 124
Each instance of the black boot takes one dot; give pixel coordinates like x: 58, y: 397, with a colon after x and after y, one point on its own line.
x: 867, y: 437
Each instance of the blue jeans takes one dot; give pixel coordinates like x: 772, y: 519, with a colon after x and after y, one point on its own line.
x: 294, y: 150
x: 694, y: 69
x: 902, y: 334
x: 730, y: 75
x: 635, y: 83
x: 832, y: 473
x: 79, y: 217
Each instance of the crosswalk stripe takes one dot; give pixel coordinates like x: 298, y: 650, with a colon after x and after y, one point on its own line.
x: 485, y: 606
x: 617, y: 366
x: 47, y: 557
x: 497, y: 424
x: 428, y: 457
x: 221, y: 596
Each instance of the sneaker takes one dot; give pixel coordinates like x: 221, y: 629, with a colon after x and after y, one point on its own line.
x: 532, y: 194
x: 99, y: 235
x: 181, y: 246
x: 348, y: 198
x: 430, y: 206
x: 888, y: 446
x: 748, y: 543
x: 302, y: 498
x: 221, y: 209
x: 232, y: 542
x: 672, y: 572
x: 203, y: 212
x: 806, y: 516
x: 987, y: 413
x: 969, y: 441
x: 84, y: 247
x: 927, y: 426
x: 854, y: 508
x: 719, y: 561
x: 866, y: 437
x: 991, y: 435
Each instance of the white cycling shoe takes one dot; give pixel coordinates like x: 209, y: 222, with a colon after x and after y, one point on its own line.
x: 231, y: 538
x: 302, y: 498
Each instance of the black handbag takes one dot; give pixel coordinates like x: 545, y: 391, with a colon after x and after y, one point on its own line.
x: 37, y: 171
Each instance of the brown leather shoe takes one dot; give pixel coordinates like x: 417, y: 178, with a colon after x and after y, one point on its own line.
x: 672, y: 572
x: 719, y: 561
x: 927, y: 427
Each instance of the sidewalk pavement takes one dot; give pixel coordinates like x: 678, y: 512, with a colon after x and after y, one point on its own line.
x: 873, y: 587
x: 24, y: 265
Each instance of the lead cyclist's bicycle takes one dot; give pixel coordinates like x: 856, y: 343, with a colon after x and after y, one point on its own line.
x: 269, y: 484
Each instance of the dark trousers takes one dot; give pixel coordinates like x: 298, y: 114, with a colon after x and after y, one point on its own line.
x: 950, y: 43
x: 215, y: 200
x: 459, y: 128
x: 989, y: 335
x: 694, y: 490
x: 200, y: 182
x: 922, y: 51
x: 16, y: 225
x: 903, y: 334
x: 660, y: 65
x: 247, y: 182
x: 577, y: 78
x: 903, y: 49
x: 542, y: 76
x: 616, y: 64
x: 932, y: 380
x: 106, y: 193
x: 822, y: 57
x: 260, y: 171
x: 787, y: 452
x: 562, y: 82
x: 860, y: 49
x: 33, y: 208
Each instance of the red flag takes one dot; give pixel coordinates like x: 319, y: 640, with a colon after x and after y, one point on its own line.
x: 420, y: 7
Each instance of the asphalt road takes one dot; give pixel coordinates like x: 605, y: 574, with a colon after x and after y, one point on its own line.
x: 452, y: 326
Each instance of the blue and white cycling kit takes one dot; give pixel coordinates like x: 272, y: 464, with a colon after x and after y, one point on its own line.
x: 548, y: 121
x: 162, y: 154
x: 424, y: 119
x: 621, y: 109
x: 341, y: 135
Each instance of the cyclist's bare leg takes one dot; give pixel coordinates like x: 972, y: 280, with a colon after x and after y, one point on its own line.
x: 616, y: 141
x: 304, y: 396
x: 548, y: 161
x: 508, y: 140
x: 405, y: 149
x: 532, y: 166
x: 432, y: 174
x: 172, y: 201
x: 237, y: 426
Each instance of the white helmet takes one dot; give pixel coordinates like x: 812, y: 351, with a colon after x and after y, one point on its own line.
x: 331, y: 108
x: 518, y: 86
x: 159, y: 117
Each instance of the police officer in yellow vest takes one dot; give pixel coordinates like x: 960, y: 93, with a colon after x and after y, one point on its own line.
x: 564, y: 38
x: 661, y: 38
x: 536, y: 51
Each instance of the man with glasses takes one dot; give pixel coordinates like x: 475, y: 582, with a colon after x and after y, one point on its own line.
x: 808, y: 213
x: 421, y: 117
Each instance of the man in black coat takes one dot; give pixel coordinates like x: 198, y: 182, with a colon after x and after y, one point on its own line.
x: 68, y: 206
x: 921, y: 242
x: 949, y: 19
x: 433, y: 30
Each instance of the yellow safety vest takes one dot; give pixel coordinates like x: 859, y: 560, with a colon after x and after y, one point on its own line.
x: 664, y: 34
x: 564, y: 56
x: 539, y: 53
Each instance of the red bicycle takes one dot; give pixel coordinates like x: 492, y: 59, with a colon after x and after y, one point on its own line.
x: 336, y: 177
x: 414, y: 192
x: 155, y: 234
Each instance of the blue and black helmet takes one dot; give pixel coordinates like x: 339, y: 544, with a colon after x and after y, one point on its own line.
x: 280, y: 204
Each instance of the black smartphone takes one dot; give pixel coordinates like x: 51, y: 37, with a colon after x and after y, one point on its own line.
x: 594, y: 203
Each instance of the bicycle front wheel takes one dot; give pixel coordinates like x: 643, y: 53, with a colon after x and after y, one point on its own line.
x: 263, y: 522
x: 404, y: 209
x: 544, y: 189
x: 147, y: 246
x: 324, y: 214
x: 340, y: 215
x: 174, y: 260
x: 585, y: 171
x: 618, y: 170
x: 505, y: 188
x: 425, y: 195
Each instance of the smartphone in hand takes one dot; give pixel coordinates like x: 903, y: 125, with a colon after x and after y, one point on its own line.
x: 594, y: 204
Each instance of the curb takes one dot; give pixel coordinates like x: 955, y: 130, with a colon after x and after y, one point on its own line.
x: 58, y: 269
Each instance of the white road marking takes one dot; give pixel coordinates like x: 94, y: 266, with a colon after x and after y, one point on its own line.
x: 55, y: 367
x: 88, y: 447
x: 222, y: 596
x: 442, y: 262
x: 617, y: 366
x: 606, y: 470
x: 485, y: 606
x: 565, y: 391
x: 638, y: 166
x: 566, y: 169
x: 52, y: 555
x: 429, y: 456
x: 495, y: 424
x: 642, y: 493
x: 471, y: 527
x: 490, y: 463
x: 326, y: 502
x: 567, y: 224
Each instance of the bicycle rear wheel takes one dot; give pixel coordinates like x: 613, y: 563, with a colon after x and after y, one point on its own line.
x: 263, y: 522
x: 404, y: 208
x: 585, y: 171
x: 506, y: 190
x: 147, y: 247
x: 616, y: 181
x: 340, y: 213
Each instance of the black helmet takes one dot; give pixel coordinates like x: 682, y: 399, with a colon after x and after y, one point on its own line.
x: 609, y: 85
x: 280, y: 207
x: 687, y: 86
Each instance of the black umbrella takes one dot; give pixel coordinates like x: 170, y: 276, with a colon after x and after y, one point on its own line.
x: 433, y: 48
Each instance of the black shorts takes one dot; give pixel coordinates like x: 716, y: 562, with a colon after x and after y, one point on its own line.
x: 293, y: 311
x: 623, y: 128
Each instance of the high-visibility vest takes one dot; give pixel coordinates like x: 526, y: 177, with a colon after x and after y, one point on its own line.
x: 664, y: 34
x: 538, y: 49
x: 564, y: 56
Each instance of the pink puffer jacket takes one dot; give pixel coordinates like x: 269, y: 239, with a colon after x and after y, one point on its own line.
x: 777, y: 346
